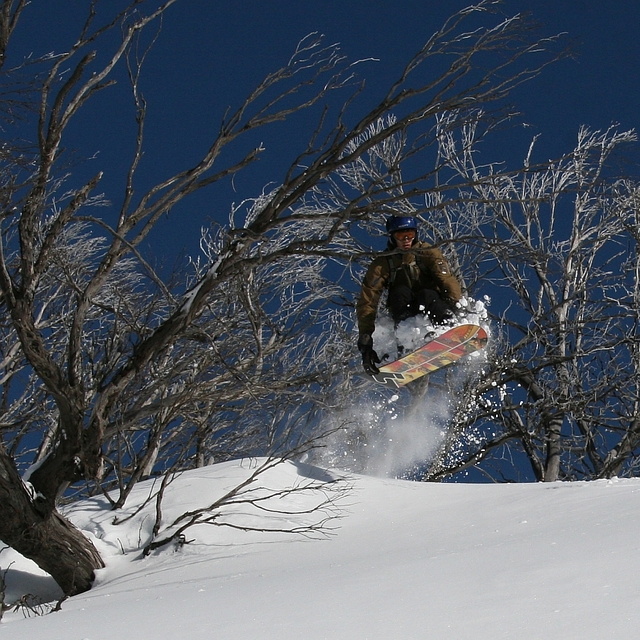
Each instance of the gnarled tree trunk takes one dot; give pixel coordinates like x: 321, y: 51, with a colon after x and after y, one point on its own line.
x: 43, y: 535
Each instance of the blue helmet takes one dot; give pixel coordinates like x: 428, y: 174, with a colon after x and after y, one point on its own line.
x: 401, y: 223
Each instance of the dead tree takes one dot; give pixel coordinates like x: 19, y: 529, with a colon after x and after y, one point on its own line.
x: 108, y: 346
x: 559, y: 249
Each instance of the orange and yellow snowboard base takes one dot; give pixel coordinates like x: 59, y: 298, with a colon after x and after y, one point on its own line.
x: 439, y: 352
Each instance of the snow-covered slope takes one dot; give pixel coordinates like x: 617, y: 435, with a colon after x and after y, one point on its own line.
x: 408, y: 560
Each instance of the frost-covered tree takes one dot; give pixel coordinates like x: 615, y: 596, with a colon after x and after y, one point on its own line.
x: 558, y: 397
x: 112, y: 370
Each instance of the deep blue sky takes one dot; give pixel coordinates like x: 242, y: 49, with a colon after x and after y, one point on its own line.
x: 211, y: 54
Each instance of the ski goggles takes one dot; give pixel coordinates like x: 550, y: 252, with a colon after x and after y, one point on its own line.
x: 402, y: 236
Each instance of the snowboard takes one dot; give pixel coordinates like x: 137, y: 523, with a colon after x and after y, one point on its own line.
x: 443, y: 350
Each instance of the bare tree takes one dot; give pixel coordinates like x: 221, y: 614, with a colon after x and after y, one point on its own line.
x: 118, y: 373
x: 559, y: 247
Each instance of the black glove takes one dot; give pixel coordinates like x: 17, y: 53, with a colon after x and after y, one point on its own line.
x: 369, y: 357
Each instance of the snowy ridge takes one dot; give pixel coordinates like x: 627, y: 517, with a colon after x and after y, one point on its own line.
x: 409, y: 560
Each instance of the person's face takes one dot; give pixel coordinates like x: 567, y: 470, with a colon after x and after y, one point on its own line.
x: 404, y: 239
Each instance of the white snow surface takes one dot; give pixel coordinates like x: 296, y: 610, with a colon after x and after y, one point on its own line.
x: 406, y: 560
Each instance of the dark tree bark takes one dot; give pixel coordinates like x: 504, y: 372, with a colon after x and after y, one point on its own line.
x: 40, y: 533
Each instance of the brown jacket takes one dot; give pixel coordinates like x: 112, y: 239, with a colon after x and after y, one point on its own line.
x: 422, y: 267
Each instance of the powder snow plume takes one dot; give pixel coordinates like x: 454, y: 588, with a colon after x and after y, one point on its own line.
x: 396, y: 434
x: 387, y: 434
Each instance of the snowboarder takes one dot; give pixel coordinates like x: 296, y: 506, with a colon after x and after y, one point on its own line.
x: 419, y: 281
